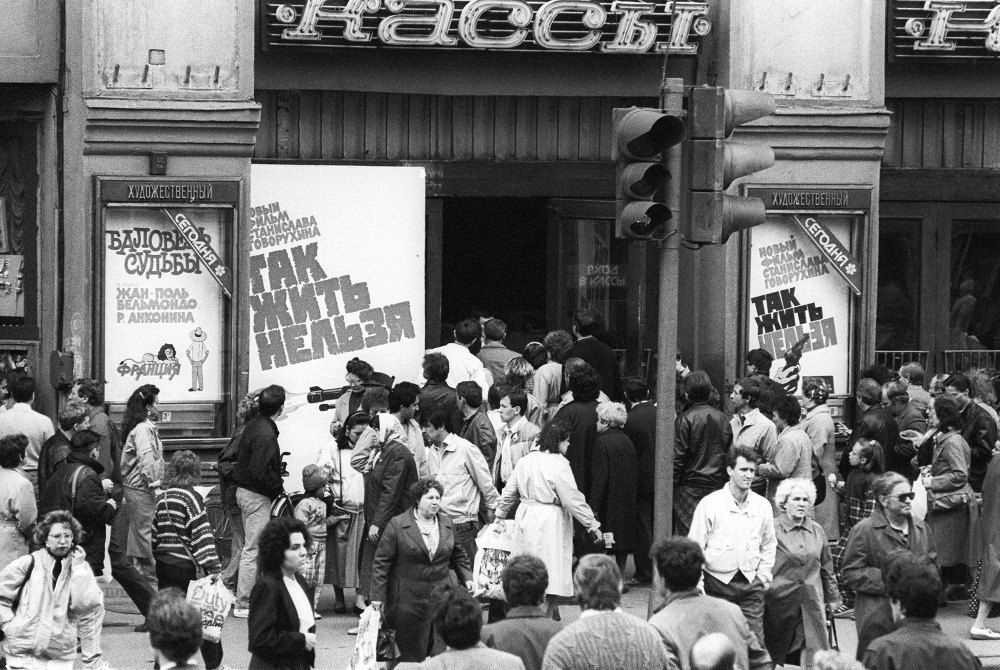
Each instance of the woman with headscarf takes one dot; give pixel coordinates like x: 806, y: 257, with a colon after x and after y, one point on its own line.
x: 391, y: 473
x: 345, y: 536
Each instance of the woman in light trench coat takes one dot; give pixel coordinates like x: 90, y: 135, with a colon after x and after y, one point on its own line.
x: 543, y: 525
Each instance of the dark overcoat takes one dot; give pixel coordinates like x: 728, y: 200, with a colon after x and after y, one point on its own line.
x: 869, y: 546
x: 273, y: 627
x: 612, y: 493
x: 404, y: 576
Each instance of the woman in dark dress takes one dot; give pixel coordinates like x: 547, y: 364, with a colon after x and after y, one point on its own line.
x: 281, y: 627
x: 989, y: 552
x: 416, y: 552
x: 616, y: 475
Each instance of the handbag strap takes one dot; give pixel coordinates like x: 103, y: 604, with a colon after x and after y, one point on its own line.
x: 72, y: 487
x: 177, y: 530
x: 27, y: 575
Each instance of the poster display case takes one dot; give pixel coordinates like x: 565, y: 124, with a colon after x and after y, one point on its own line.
x: 166, y: 253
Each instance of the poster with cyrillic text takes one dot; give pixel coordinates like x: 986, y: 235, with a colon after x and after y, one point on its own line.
x: 336, y: 272
x: 797, y: 296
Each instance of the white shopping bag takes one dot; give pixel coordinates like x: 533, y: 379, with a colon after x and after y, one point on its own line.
x: 919, y: 506
x: 495, y: 543
x: 364, y: 657
x: 214, y: 601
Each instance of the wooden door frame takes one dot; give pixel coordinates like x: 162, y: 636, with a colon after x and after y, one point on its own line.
x: 935, y: 264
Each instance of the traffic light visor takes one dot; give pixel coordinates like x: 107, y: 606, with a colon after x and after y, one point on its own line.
x: 641, y: 180
x: 640, y: 219
x: 644, y: 133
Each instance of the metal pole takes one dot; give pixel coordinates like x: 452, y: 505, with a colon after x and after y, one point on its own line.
x: 672, y: 96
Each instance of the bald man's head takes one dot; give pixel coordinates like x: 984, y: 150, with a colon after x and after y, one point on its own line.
x: 713, y: 652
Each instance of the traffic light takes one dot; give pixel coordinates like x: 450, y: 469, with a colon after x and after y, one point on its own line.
x: 713, y: 162
x: 641, y: 136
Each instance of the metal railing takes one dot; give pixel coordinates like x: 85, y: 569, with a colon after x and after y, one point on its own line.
x: 896, y: 359
x: 961, y: 360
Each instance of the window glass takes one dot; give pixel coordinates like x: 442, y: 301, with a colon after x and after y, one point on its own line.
x: 898, y: 304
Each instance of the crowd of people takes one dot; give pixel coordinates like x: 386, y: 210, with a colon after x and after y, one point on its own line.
x: 551, y: 447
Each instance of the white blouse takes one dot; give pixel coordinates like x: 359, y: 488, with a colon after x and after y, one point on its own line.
x: 301, y: 601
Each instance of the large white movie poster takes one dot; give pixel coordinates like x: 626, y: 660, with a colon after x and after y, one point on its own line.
x: 796, y: 294
x: 336, y: 272
x: 163, y: 309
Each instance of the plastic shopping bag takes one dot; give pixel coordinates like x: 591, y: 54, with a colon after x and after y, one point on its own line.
x: 213, y: 600
x: 364, y: 657
x: 494, y: 545
x: 919, y: 506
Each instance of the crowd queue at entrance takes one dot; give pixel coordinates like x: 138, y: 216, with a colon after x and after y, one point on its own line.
x: 775, y: 535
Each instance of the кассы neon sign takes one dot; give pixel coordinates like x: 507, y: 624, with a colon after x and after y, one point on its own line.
x: 618, y: 26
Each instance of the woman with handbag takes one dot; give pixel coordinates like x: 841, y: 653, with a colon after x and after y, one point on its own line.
x: 345, y: 536
x: 142, y: 474
x: 949, y: 493
x: 416, y: 553
x: 281, y: 626
x: 183, y: 544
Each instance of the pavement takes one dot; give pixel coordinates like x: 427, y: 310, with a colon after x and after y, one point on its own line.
x: 125, y: 649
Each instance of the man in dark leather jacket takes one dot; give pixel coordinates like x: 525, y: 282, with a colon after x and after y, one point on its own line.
x: 876, y: 423
x: 703, y: 437
x: 980, y: 429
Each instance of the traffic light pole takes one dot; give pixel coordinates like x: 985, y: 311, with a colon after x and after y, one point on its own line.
x: 672, y: 97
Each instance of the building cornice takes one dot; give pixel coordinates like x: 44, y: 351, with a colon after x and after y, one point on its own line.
x: 815, y: 133
x: 181, y: 128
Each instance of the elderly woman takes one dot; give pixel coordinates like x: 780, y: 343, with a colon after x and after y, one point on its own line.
x: 182, y: 537
x: 612, y: 493
x: 891, y: 527
x: 520, y: 375
x: 281, y: 627
x: 17, y: 500
x: 416, y: 554
x: 549, y: 377
x: 543, y: 482
x: 794, y: 620
x: 949, y: 492
x: 58, y: 602
x: 142, y: 474
x: 388, y: 485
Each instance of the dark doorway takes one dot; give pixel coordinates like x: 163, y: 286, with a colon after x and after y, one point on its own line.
x: 493, y: 258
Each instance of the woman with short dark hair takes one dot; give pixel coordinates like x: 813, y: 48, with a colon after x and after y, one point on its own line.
x: 349, y: 402
x: 281, y: 626
x: 17, y: 500
x: 949, y: 492
x: 182, y: 536
x: 142, y: 474
x: 544, y: 485
x: 416, y: 553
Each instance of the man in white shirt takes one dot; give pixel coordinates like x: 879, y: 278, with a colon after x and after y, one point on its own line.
x: 515, y: 435
x: 21, y: 418
x: 463, y: 366
x: 750, y: 427
x: 462, y: 470
x: 735, y: 529
x: 404, y: 402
